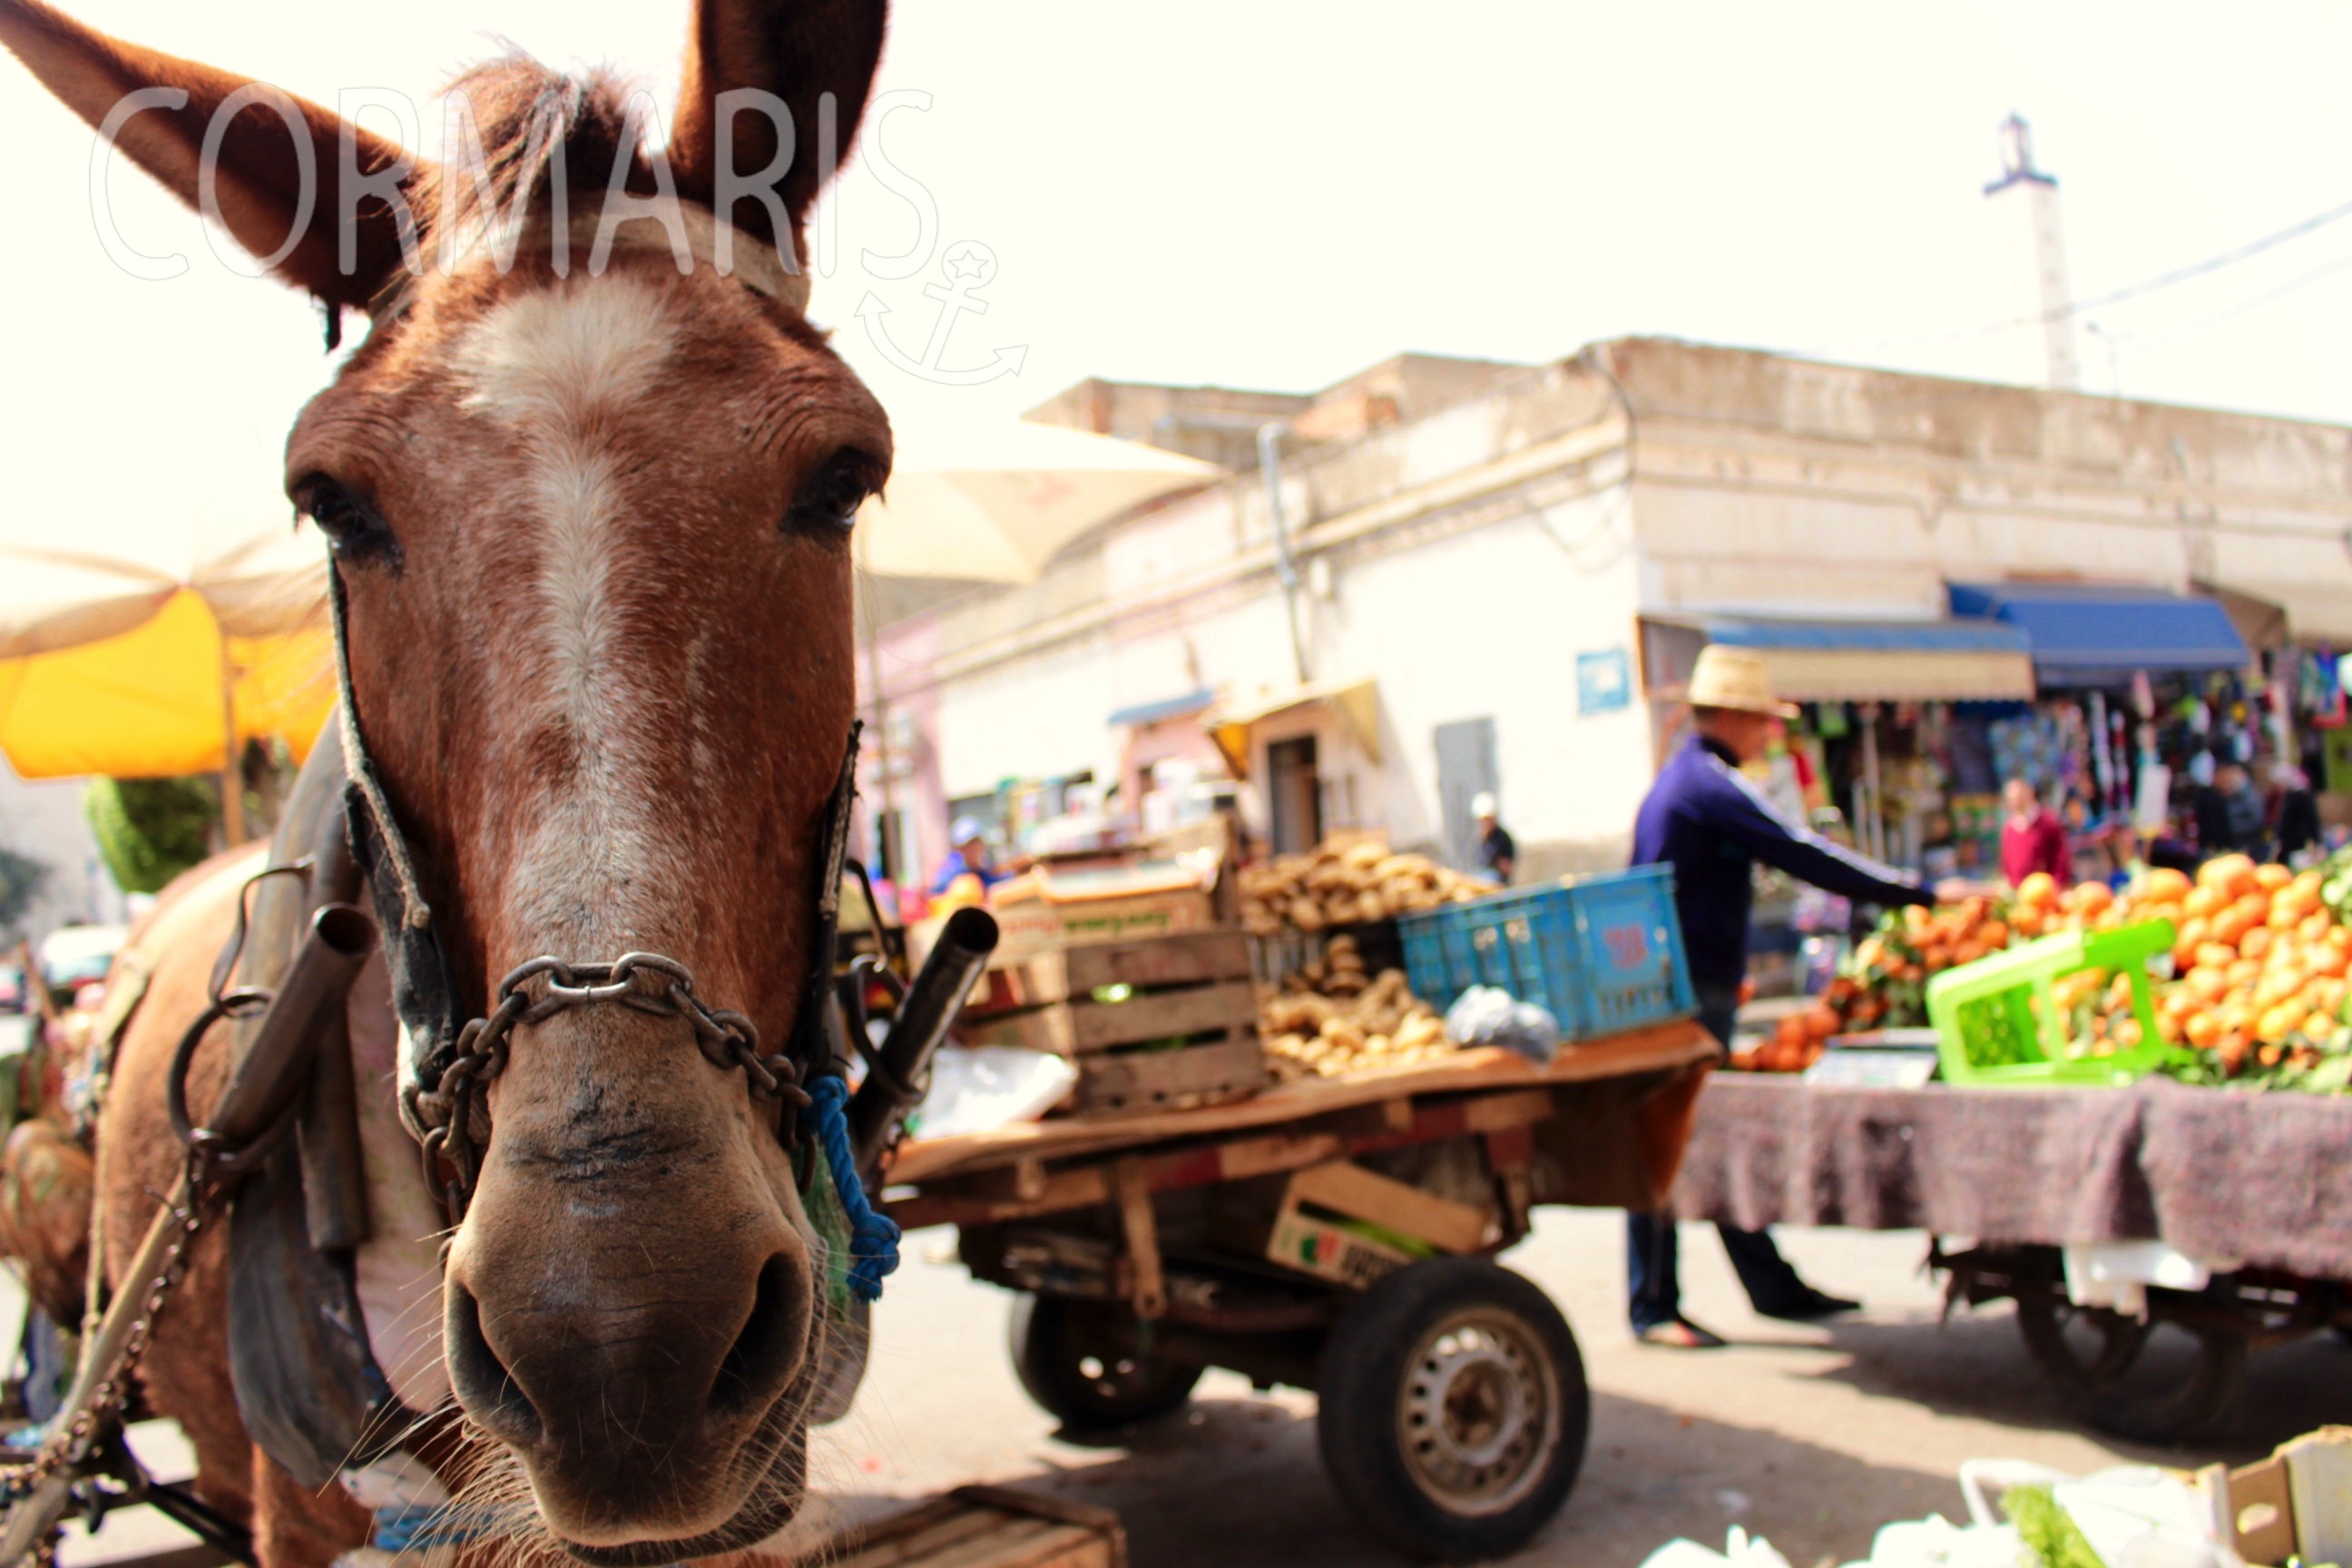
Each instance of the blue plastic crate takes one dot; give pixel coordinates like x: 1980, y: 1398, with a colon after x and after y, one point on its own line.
x: 1600, y: 953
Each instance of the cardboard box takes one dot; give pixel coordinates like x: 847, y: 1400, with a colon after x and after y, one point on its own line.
x: 2296, y: 1503
x: 1309, y: 1230
x: 1322, y: 1247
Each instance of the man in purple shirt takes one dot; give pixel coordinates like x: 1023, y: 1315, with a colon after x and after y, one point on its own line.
x: 1704, y: 819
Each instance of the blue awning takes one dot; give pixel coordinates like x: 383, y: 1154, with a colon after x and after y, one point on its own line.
x: 1977, y: 636
x: 1140, y: 713
x: 2092, y: 634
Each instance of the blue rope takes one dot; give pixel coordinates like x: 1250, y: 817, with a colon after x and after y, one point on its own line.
x: 417, y: 1526
x: 873, y: 1237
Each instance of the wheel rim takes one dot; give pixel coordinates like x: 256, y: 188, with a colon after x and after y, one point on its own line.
x: 1114, y: 1377
x: 1479, y: 1416
x: 2099, y: 1343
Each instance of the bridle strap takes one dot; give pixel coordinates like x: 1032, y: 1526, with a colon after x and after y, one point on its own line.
x: 423, y: 987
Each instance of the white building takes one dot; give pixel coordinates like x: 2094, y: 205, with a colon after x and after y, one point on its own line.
x: 1501, y: 569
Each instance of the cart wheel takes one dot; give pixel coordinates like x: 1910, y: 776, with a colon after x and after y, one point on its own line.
x: 2090, y: 1352
x: 1090, y: 1363
x: 1454, y: 1408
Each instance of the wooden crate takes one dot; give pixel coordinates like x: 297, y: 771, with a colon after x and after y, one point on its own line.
x: 1196, y: 989
x: 984, y: 1526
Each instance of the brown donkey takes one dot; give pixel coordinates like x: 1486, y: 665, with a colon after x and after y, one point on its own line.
x: 587, y: 486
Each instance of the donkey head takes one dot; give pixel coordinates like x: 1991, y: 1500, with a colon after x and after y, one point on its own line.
x: 588, y: 497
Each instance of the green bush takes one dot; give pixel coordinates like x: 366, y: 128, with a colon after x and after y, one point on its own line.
x: 151, y: 830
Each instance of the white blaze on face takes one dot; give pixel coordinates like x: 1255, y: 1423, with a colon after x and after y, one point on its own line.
x: 565, y: 370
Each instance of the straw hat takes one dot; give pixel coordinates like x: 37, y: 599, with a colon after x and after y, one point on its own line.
x: 1730, y: 677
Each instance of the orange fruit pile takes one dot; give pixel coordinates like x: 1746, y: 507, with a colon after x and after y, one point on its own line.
x: 2260, y: 960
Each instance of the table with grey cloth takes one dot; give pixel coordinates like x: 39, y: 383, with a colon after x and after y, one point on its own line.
x: 2264, y: 1179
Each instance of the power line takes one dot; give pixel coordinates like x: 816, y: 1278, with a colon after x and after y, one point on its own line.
x: 2195, y: 270
x: 2318, y: 274
x: 2146, y: 286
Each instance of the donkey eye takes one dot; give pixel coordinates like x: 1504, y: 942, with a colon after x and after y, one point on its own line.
x: 829, y: 498
x: 351, y: 526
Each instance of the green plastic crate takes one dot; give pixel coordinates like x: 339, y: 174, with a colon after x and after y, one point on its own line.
x: 1997, y: 1023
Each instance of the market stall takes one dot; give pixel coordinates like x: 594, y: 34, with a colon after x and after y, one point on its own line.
x: 2098, y: 1136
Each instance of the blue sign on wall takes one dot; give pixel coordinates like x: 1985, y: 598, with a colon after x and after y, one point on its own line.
x: 1605, y: 681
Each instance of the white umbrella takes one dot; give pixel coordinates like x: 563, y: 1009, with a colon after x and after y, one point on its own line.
x: 992, y: 504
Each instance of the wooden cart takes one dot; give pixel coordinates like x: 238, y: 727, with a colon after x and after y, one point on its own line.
x: 1335, y: 1234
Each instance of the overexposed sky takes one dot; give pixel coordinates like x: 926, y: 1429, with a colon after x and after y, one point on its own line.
x: 1278, y: 194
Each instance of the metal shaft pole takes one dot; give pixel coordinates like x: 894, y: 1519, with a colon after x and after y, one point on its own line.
x: 232, y: 779
x: 887, y: 849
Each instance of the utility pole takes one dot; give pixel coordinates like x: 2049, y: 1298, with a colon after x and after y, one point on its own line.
x: 2027, y: 198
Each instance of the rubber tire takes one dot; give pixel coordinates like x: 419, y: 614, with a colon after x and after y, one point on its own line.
x: 1363, y: 1375
x: 2189, y: 1413
x: 1051, y: 1335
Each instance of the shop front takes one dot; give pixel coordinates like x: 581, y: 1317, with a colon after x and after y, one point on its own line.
x: 2145, y: 697
x: 1310, y: 753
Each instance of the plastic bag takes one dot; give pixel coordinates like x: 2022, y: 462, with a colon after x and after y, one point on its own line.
x: 977, y: 1088
x: 1487, y: 1015
x: 1740, y: 1549
x: 2132, y: 1516
x: 1935, y: 1541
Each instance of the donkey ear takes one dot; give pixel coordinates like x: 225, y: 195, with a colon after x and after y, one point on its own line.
x: 797, y: 51
x: 258, y: 170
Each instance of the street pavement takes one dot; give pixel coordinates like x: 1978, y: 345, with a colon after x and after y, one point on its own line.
x: 1812, y: 1436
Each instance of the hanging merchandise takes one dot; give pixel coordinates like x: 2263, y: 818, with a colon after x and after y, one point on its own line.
x: 2340, y: 761
x: 2143, y: 695
x: 2120, y: 796
x: 2321, y: 694
x: 2103, y: 773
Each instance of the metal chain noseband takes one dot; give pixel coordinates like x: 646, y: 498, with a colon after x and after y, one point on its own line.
x: 454, y: 1114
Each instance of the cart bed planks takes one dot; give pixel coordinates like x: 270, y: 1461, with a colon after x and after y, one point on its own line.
x: 1662, y: 1046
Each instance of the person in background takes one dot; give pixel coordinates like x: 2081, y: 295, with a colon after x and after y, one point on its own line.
x: 1704, y: 819
x: 2231, y: 813
x: 1498, y: 852
x: 2032, y: 838
x: 968, y: 858
x: 2296, y: 824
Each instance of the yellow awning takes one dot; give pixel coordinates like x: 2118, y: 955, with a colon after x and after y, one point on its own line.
x: 158, y: 698
x: 1356, y: 702
x: 1844, y: 675
x: 1958, y: 659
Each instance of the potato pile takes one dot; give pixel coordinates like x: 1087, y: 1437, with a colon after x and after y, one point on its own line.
x: 1331, y: 1017
x: 1358, y: 884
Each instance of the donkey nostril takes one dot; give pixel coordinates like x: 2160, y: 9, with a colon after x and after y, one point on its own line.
x: 774, y: 1339
x: 484, y: 1386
